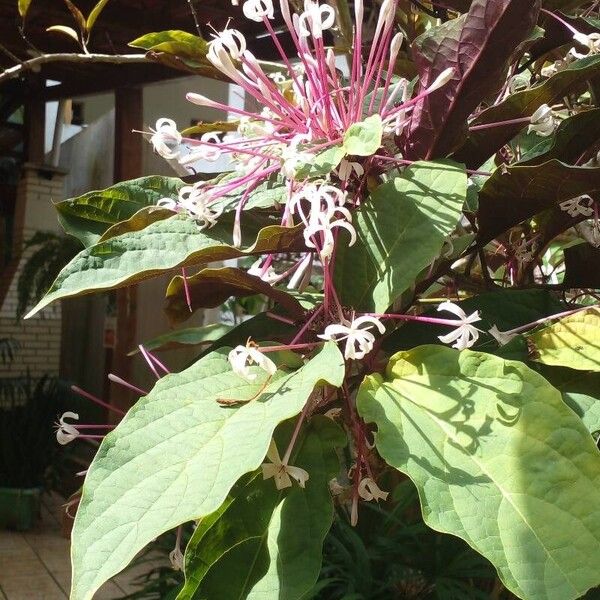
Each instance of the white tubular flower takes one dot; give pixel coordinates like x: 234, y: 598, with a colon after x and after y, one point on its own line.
x: 197, y: 205
x: 369, y: 490
x: 269, y: 276
x: 542, y: 121
x: 281, y: 472
x: 241, y: 357
x: 66, y: 432
x: 167, y: 203
x: 301, y: 277
x: 524, y: 251
x: 221, y: 60
x: 209, y: 150
x: 230, y: 40
x: 315, y: 19
x: 256, y: 10
x: 465, y: 335
x: 442, y: 79
x: 166, y: 138
x: 591, y: 41
x: 582, y: 205
x: 502, y: 337
x: 359, y: 341
x: 323, y: 224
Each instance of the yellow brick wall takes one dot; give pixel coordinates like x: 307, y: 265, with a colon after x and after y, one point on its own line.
x: 38, y: 338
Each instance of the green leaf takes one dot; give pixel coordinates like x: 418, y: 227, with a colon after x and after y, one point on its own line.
x: 68, y: 31
x: 401, y: 230
x: 94, y: 14
x: 179, y: 43
x: 265, y: 543
x: 499, y: 461
x: 322, y: 164
x: 483, y: 143
x: 512, y: 195
x: 88, y: 217
x: 140, y: 220
x: 162, y: 246
x: 580, y: 392
x: 191, y: 336
x: 268, y: 194
x: 572, y: 342
x: 177, y: 453
x: 364, y: 138
x: 212, y: 287
x: 23, y: 6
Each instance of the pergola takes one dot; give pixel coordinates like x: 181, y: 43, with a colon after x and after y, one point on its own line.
x: 120, y: 22
x: 23, y: 97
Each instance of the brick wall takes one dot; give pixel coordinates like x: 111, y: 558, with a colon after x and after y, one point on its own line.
x: 39, y: 337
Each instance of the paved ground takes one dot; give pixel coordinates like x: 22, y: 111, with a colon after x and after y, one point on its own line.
x: 35, y: 565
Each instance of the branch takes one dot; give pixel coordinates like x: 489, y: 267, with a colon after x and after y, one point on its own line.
x: 34, y: 63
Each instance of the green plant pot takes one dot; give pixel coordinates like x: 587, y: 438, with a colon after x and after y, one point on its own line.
x: 19, y: 508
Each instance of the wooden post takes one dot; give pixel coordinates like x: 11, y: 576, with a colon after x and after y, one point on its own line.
x: 129, y: 108
x: 35, y: 121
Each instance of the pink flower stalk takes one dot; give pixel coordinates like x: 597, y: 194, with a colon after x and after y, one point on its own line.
x: 309, y: 106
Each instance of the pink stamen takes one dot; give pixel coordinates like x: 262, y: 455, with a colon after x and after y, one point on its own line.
x: 186, y: 288
x: 116, y: 379
x: 96, y: 400
x: 149, y: 361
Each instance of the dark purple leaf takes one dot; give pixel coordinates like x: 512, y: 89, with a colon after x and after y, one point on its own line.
x: 483, y: 143
x: 509, y: 198
x: 478, y: 46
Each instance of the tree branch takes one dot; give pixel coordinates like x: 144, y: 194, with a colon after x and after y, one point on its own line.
x: 34, y: 63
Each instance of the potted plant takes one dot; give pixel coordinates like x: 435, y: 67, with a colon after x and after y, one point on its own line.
x: 28, y: 450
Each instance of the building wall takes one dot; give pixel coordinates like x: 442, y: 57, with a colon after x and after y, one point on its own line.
x: 38, y: 338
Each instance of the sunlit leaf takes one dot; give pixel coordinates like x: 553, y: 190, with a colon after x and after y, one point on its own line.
x: 499, y: 460
x: 162, y: 246
x: 572, y: 342
x: 88, y: 217
x: 401, y: 230
x: 364, y: 138
x: 176, y: 455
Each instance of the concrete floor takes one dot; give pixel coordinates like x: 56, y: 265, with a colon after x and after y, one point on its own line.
x: 35, y: 565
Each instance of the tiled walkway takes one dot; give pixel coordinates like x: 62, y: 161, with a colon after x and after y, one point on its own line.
x: 35, y: 565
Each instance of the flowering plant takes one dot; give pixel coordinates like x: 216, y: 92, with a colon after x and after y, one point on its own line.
x: 421, y: 159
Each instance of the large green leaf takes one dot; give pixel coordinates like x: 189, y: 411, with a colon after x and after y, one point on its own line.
x: 265, y: 543
x: 582, y: 265
x: 484, y: 143
x: 88, y: 217
x: 572, y: 342
x: 162, y: 246
x: 499, y: 460
x: 212, y: 287
x: 400, y: 231
x: 518, y: 193
x: 176, y: 455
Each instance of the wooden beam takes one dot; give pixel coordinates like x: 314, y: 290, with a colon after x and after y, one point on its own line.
x: 129, y: 115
